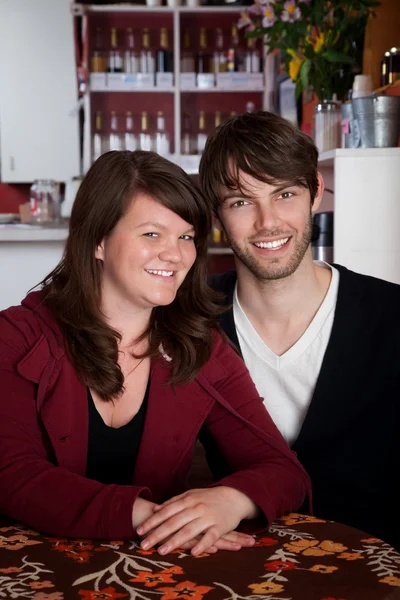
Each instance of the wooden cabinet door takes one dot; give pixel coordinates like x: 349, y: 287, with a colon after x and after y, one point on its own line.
x: 39, y: 133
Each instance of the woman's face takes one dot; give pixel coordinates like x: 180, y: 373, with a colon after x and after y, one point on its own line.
x: 146, y: 257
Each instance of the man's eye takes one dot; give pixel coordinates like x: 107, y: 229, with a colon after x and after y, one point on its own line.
x: 239, y: 203
x: 286, y: 195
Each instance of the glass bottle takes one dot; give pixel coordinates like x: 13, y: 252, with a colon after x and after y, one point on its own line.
x: 219, y: 58
x: 97, y: 60
x: 187, y: 59
x: 201, y: 133
x: 203, y: 58
x: 130, y: 137
x: 131, y: 59
x: 44, y: 201
x: 233, y: 62
x: 98, y: 139
x: 147, y: 60
x: 115, y: 139
x: 115, y: 63
x: 188, y: 143
x: 145, y: 141
x: 217, y: 119
x: 162, y: 145
x: 164, y: 55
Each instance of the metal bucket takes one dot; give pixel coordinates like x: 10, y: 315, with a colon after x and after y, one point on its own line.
x: 350, y: 131
x: 378, y: 120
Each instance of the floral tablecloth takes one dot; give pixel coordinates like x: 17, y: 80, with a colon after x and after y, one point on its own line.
x: 299, y: 558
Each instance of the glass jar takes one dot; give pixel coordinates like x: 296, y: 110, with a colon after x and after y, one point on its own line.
x: 44, y: 201
x: 327, y: 126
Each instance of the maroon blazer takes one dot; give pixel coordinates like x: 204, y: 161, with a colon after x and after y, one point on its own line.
x: 44, y: 435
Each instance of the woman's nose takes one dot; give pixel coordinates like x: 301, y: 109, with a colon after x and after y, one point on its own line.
x: 171, y: 252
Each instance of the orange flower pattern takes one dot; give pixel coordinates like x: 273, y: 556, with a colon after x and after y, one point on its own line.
x: 297, y: 556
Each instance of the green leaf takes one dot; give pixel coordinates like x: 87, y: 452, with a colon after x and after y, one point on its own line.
x: 337, y: 57
x: 304, y: 72
x: 299, y: 89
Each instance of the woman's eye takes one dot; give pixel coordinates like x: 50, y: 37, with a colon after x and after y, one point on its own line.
x: 151, y: 234
x: 189, y: 238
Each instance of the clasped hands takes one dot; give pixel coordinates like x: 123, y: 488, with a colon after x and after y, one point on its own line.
x: 200, y: 520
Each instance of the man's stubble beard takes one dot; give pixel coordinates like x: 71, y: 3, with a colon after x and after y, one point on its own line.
x: 274, y: 271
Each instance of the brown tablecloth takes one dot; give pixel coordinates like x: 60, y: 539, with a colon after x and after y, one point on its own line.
x: 299, y: 558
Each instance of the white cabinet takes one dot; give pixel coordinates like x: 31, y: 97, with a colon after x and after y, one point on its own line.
x: 367, y: 209
x: 39, y: 132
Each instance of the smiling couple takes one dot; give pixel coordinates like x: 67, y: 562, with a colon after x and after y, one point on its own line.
x: 113, y: 369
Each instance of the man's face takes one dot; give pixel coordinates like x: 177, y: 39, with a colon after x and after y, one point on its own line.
x: 268, y: 226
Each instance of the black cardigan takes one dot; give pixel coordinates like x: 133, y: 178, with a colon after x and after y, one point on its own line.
x: 349, y: 441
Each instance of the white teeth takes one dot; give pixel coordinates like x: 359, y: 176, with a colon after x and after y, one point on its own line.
x: 272, y: 245
x: 163, y: 273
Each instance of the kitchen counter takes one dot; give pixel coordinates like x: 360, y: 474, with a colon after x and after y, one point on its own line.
x: 32, y: 233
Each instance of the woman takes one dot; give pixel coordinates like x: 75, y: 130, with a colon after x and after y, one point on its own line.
x: 111, y: 370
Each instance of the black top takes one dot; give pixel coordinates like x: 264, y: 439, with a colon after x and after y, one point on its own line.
x: 112, y: 452
x: 349, y: 441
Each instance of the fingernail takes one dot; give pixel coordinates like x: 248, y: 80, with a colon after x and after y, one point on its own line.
x: 163, y: 550
x: 139, y: 530
x: 144, y: 545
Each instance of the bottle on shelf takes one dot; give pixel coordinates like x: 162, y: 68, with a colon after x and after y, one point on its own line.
x: 234, y: 60
x: 232, y: 114
x: 201, y: 133
x: 131, y: 59
x: 147, y: 60
x: 116, y: 141
x: 115, y: 63
x: 145, y: 141
x: 217, y: 119
x: 98, y: 142
x: 203, y: 58
x: 187, y: 58
x: 252, y: 57
x: 161, y: 145
x: 130, y: 138
x: 219, y: 58
x: 188, y: 143
x: 164, y: 60
x: 97, y: 60
x: 250, y: 107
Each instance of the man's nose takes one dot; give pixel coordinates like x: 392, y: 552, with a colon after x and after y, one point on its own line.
x: 267, y: 217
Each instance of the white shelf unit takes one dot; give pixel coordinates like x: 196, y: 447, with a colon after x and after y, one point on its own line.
x: 366, y: 209
x: 176, y: 13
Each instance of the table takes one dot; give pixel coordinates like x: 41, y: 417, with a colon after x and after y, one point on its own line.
x: 299, y: 558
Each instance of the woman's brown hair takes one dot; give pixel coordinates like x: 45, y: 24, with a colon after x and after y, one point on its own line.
x: 73, y: 289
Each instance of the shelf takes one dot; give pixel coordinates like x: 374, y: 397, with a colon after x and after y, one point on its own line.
x: 217, y: 90
x: 161, y: 9
x: 152, y: 89
x: 326, y: 159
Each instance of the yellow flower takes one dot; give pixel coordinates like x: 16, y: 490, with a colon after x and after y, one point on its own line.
x: 323, y: 569
x: 391, y: 580
x: 294, y: 67
x: 300, y: 545
x: 295, y: 518
x: 330, y: 546
x: 350, y: 555
x: 319, y: 43
x: 267, y: 587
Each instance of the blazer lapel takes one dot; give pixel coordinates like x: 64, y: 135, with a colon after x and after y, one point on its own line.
x: 330, y: 410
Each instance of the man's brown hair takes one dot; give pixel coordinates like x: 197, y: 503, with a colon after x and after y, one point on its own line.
x: 183, y: 329
x: 263, y: 145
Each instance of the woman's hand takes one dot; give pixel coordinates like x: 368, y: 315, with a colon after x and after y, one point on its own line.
x: 142, y: 510
x: 233, y: 541
x: 210, y: 513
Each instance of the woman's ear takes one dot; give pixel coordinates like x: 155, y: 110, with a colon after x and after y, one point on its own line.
x: 99, y: 253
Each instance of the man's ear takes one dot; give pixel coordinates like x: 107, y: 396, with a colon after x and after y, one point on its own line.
x: 320, y: 193
x: 99, y: 253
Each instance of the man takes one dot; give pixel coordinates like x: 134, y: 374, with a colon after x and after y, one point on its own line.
x: 322, y: 343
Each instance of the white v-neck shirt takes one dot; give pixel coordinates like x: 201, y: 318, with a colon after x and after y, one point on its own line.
x: 287, y: 382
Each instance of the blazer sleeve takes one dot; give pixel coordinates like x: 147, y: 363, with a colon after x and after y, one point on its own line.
x: 261, y: 465
x: 35, y: 491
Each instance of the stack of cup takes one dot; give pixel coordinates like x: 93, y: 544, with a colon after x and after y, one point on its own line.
x: 362, y: 86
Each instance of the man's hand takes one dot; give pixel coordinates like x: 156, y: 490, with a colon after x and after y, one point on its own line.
x: 209, y: 514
